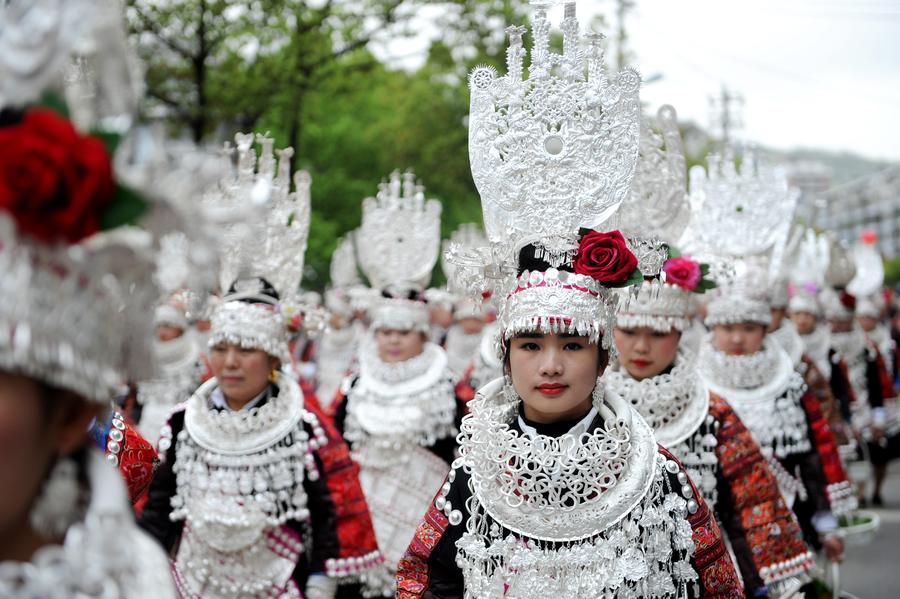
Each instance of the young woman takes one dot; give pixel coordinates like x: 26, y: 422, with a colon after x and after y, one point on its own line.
x: 399, y: 412
x: 757, y: 378
x: 73, y: 324
x: 658, y: 377
x: 179, y: 374
x: 560, y: 487
x: 248, y: 501
x: 871, y: 411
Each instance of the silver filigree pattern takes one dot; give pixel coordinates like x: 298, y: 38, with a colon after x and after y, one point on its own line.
x: 764, y: 390
x: 272, y: 247
x: 740, y: 212
x: 557, y: 301
x: 556, y: 151
x: 402, y: 234
x: 659, y: 306
x: 657, y: 210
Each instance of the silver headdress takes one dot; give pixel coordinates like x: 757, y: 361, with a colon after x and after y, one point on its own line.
x: 742, y: 299
x: 402, y: 233
x: 740, y: 212
x: 655, y: 304
x: 550, y: 155
x: 807, y: 272
x: 657, y: 211
x: 79, y: 303
x: 556, y: 151
x: 740, y: 224
x: 653, y: 219
x: 869, y: 277
x: 841, y: 266
x: 467, y: 238
x: 266, y: 250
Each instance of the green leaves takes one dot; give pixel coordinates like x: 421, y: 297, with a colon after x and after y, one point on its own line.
x: 54, y: 102
x: 126, y: 208
x: 636, y: 278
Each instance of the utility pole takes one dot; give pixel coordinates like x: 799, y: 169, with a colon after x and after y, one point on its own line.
x: 726, y: 115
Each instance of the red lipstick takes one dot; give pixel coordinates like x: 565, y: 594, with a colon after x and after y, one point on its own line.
x: 552, y: 388
x: 641, y: 363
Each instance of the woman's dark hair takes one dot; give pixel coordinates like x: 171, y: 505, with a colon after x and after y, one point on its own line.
x: 402, y: 293
x: 529, y: 260
x: 265, y: 288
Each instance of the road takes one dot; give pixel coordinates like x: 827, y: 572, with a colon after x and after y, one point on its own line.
x: 873, y: 571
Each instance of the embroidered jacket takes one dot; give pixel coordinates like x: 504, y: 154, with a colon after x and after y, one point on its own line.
x: 133, y: 455
x: 317, y: 523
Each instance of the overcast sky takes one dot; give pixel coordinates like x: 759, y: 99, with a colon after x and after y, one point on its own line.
x: 813, y: 73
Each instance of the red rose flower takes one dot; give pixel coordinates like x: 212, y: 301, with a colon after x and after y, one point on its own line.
x: 847, y: 300
x: 683, y: 272
x: 54, y: 181
x: 605, y: 257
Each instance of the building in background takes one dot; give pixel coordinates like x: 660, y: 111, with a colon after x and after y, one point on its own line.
x: 871, y: 202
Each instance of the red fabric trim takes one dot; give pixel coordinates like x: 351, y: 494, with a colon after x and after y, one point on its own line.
x: 711, y: 558
x: 769, y: 525
x: 355, y: 533
x: 138, y: 462
x: 412, y: 571
x: 826, y: 446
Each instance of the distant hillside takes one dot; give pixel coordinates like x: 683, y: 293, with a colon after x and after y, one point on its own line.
x: 845, y: 166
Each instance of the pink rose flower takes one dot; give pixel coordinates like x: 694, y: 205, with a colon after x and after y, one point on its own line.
x: 683, y: 272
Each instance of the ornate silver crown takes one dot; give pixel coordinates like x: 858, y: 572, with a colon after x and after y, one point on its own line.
x: 344, y: 273
x: 556, y: 151
x: 745, y: 298
x: 740, y: 212
x: 841, y: 267
x: 402, y: 234
x: 272, y: 247
x: 657, y: 211
x: 657, y: 305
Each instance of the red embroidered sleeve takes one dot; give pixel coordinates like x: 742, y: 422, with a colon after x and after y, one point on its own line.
x: 357, y: 546
x: 841, y: 496
x: 711, y: 559
x: 135, y: 457
x: 771, y: 531
x: 413, y: 571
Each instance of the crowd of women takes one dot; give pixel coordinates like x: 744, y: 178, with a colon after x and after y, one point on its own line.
x: 625, y: 389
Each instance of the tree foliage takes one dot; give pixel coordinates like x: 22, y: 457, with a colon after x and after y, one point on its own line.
x: 302, y: 70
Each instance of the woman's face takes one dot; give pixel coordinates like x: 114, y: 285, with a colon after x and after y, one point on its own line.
x: 34, y: 431
x: 554, y: 375
x: 804, y: 321
x: 867, y: 323
x: 165, y: 332
x: 395, y: 345
x: 645, y: 353
x: 242, y: 373
x: 471, y: 326
x: 739, y: 339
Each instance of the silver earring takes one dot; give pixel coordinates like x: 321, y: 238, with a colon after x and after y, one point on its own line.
x: 598, y: 393
x: 56, y: 506
x: 509, y: 392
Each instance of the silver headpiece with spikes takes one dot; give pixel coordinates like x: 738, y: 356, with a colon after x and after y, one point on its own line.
x: 402, y: 233
x: 657, y: 211
x: 550, y: 155
x: 271, y: 248
x: 556, y: 151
